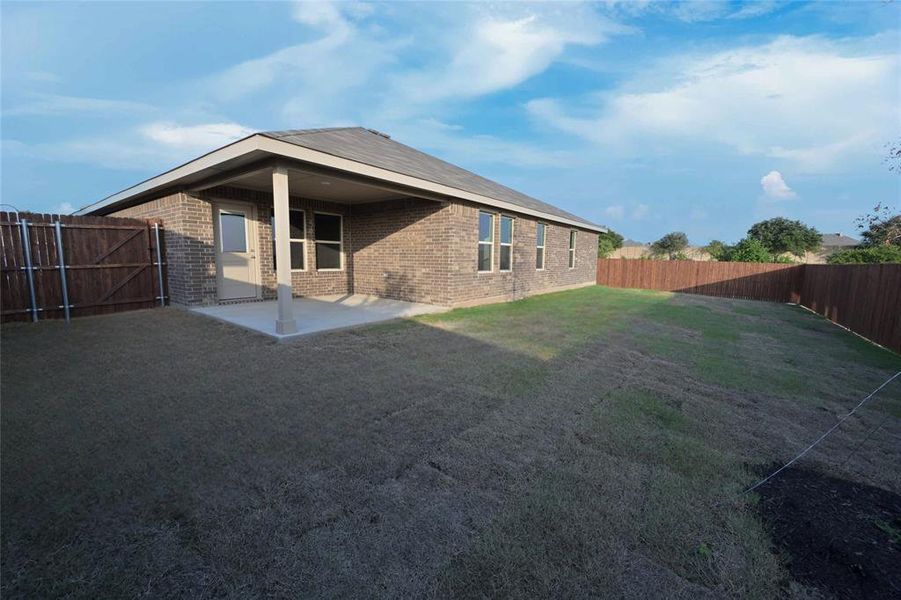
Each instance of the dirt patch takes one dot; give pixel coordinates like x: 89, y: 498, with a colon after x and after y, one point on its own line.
x: 839, y: 536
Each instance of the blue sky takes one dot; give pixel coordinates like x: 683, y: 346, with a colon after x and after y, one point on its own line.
x: 648, y: 117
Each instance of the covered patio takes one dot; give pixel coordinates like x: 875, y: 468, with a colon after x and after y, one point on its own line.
x: 284, y: 182
x: 322, y: 313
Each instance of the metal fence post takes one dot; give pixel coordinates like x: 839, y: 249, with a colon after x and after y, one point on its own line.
x: 159, y: 263
x: 29, y: 269
x: 64, y: 286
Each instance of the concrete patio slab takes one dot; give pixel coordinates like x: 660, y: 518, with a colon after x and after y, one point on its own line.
x: 321, y: 313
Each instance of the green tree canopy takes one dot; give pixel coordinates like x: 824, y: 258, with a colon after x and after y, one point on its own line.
x: 748, y: 250
x: 872, y: 254
x: 608, y: 242
x: 881, y: 227
x: 670, y: 245
x: 781, y: 235
x: 716, y: 249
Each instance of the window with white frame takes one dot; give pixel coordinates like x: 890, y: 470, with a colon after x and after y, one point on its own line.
x: 506, y: 257
x: 297, y: 223
x: 329, y: 239
x: 540, y: 232
x: 572, y: 249
x: 486, y: 241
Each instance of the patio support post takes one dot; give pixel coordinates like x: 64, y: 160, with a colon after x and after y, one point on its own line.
x: 285, y: 322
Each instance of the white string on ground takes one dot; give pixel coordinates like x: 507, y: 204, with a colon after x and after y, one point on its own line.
x: 821, y: 438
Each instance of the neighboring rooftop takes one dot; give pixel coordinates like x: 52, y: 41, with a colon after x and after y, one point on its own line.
x: 837, y: 240
x: 629, y: 243
x: 377, y: 149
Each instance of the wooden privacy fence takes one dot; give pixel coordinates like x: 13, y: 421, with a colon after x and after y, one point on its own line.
x: 751, y: 281
x: 57, y: 266
x: 864, y: 298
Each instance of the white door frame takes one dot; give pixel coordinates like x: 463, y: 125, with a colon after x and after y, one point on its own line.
x: 253, y: 244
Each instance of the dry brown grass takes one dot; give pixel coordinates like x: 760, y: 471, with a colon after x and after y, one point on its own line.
x: 576, y: 444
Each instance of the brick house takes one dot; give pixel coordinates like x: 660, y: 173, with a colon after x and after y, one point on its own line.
x: 362, y: 214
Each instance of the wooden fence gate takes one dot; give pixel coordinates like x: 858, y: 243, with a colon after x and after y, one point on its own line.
x: 57, y: 266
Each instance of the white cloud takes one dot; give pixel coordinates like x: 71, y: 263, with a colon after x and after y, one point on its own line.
x: 754, y: 9
x: 694, y: 11
x: 352, y: 71
x: 691, y: 11
x: 149, y: 147
x: 127, y: 152
x: 318, y: 80
x: 775, y: 188
x: 319, y: 14
x: 617, y: 211
x: 455, y: 144
x: 813, y: 101
x: 207, y: 136
x: 36, y: 104
x: 496, y: 52
x: 63, y: 208
x: 355, y: 69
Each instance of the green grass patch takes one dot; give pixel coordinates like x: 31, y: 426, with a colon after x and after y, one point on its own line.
x: 547, y: 325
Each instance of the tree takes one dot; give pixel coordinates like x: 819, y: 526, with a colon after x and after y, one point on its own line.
x: 608, y: 242
x: 748, y: 250
x: 671, y: 245
x: 893, y: 159
x: 873, y: 254
x: 716, y: 249
x: 880, y: 227
x: 782, y: 235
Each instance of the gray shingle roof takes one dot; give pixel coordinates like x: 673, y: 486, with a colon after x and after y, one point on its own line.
x: 837, y: 240
x: 379, y: 150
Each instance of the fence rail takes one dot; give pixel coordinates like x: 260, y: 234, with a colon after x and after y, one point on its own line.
x: 864, y: 298
x: 57, y: 266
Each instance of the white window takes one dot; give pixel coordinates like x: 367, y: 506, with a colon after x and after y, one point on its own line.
x: 486, y: 242
x: 506, y: 257
x: 539, y: 246
x: 297, y: 223
x: 572, y: 249
x: 329, y: 236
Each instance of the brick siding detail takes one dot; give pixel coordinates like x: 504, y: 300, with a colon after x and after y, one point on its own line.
x: 407, y: 249
x: 468, y: 285
x: 400, y: 250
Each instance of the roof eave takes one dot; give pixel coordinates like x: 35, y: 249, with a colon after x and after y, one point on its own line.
x: 302, y: 153
x: 276, y: 147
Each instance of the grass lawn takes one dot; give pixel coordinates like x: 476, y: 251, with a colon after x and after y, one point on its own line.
x: 586, y: 443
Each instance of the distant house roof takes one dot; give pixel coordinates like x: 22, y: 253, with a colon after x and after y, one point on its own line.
x: 632, y: 243
x: 837, y: 240
x: 354, y: 150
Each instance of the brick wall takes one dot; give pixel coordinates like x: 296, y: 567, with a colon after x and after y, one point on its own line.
x: 468, y: 286
x: 400, y: 250
x: 411, y: 249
